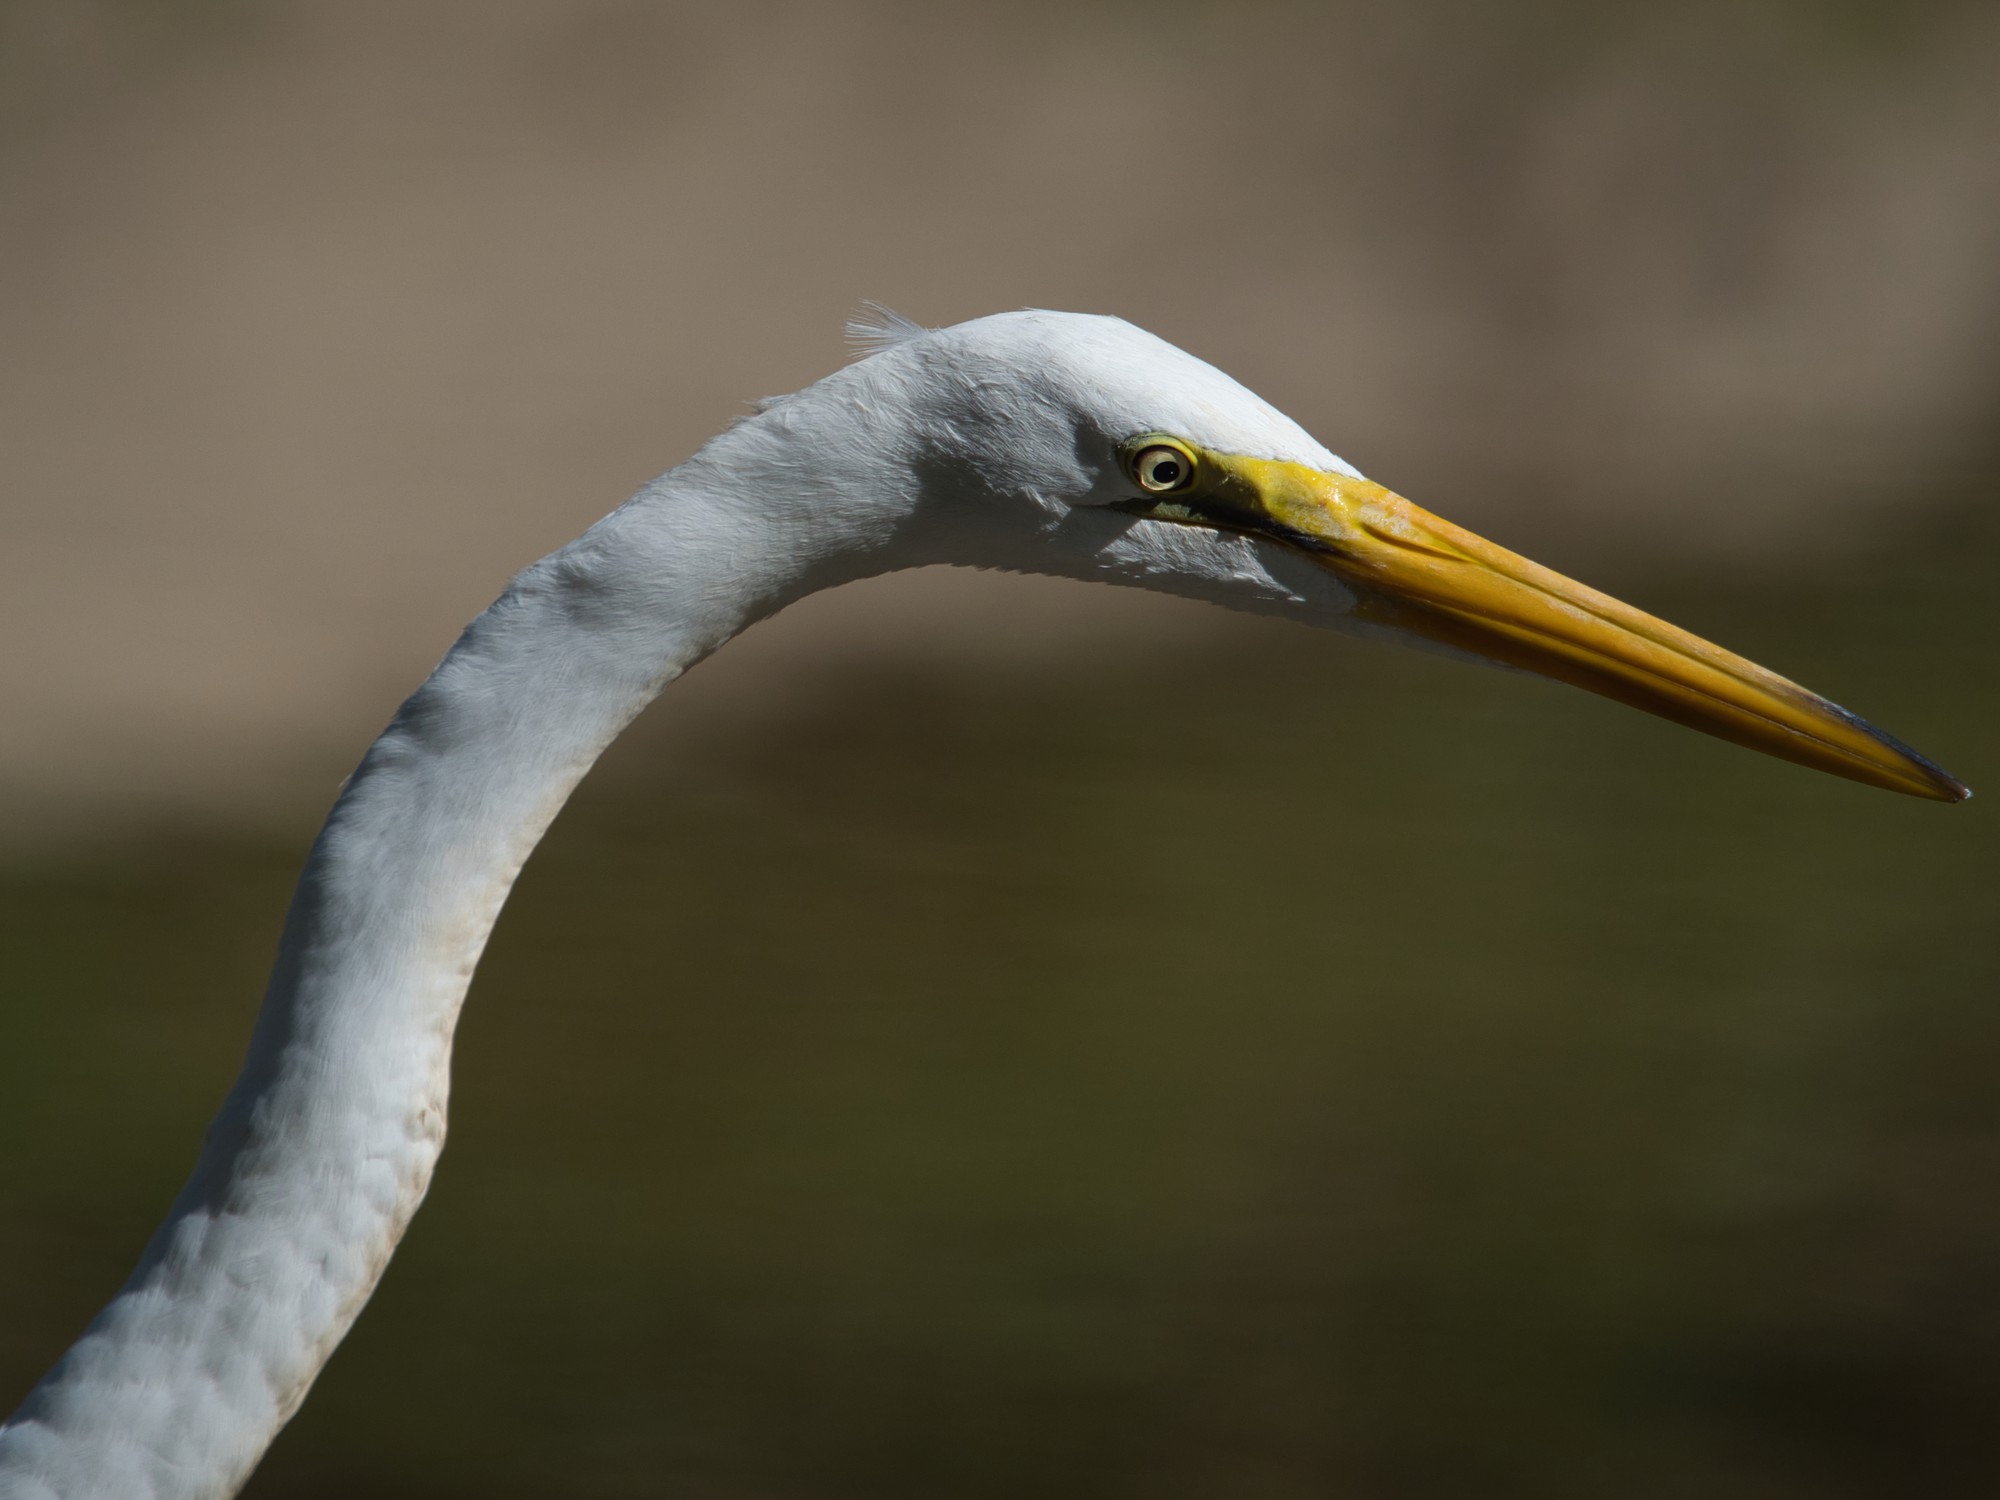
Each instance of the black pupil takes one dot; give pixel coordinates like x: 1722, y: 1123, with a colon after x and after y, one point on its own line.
x: 1166, y: 471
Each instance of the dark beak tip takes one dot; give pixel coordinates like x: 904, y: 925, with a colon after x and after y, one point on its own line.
x: 1939, y: 784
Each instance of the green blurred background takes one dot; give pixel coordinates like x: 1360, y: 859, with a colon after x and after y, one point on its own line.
x: 981, y: 1037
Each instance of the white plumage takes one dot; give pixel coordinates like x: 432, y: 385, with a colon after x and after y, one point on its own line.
x: 1003, y: 442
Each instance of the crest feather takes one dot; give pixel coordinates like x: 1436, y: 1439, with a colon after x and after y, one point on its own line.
x: 874, y: 328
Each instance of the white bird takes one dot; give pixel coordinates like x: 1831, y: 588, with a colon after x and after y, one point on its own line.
x: 1036, y: 441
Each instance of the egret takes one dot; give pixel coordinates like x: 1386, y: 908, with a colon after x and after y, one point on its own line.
x: 1040, y: 442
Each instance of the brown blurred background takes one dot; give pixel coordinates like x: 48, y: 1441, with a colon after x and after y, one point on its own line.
x: 318, y: 320
x: 917, y: 1126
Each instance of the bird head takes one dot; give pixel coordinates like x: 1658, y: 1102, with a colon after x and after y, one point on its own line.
x: 1083, y: 446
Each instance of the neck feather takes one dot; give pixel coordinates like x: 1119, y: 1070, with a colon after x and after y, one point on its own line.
x: 325, y: 1146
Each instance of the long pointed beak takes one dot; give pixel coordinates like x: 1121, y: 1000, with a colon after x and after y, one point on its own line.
x: 1424, y: 575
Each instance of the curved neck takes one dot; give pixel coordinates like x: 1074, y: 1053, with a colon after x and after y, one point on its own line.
x: 325, y: 1146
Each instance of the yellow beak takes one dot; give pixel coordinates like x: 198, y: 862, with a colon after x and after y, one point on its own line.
x: 1426, y: 576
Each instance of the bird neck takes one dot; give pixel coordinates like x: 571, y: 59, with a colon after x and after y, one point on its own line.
x: 325, y: 1146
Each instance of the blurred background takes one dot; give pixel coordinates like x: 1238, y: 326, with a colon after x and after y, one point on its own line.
x: 916, y: 1066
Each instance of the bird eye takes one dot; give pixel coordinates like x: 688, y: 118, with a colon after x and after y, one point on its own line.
x: 1160, y: 467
